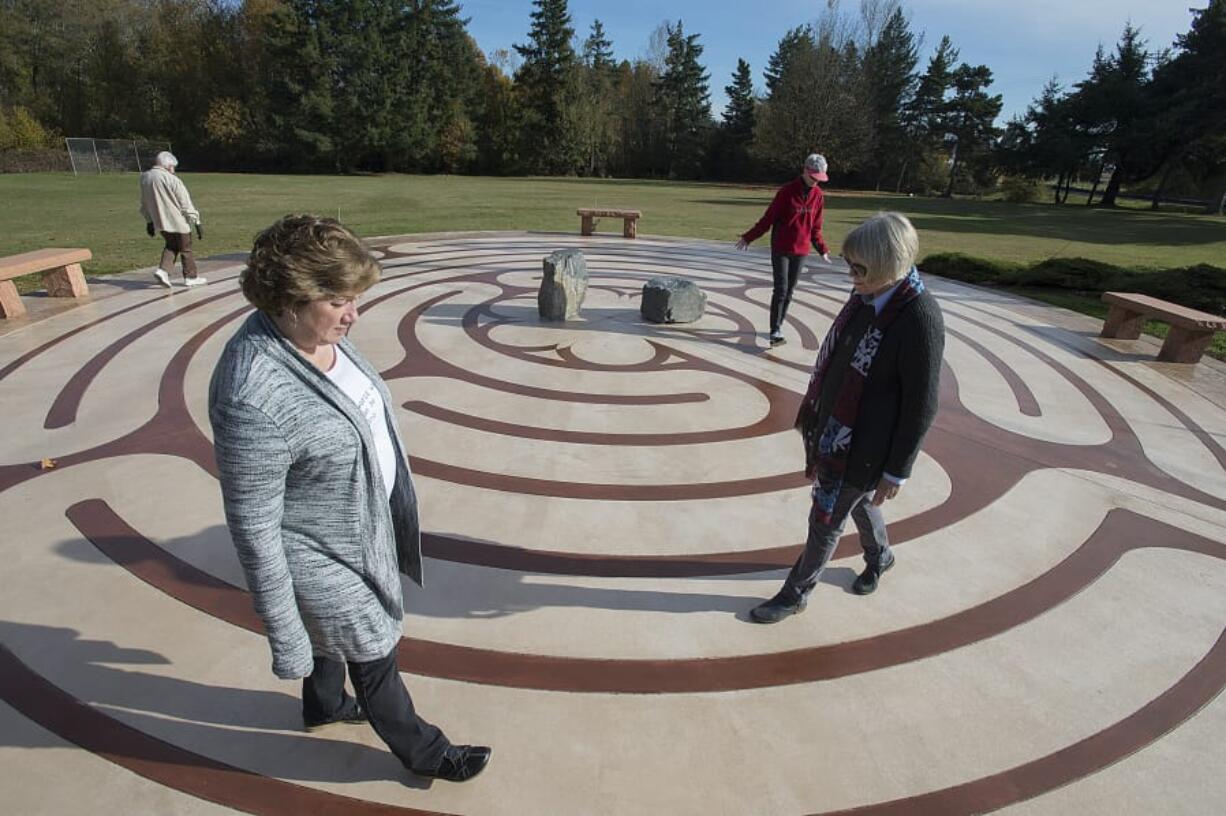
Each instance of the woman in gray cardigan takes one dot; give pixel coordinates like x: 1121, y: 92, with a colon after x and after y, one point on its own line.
x: 318, y: 494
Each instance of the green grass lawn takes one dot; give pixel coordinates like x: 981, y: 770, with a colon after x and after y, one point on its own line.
x: 101, y: 213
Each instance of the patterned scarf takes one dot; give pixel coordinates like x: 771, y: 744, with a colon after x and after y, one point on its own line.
x: 826, y: 448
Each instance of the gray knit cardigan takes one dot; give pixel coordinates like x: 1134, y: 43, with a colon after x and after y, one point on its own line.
x: 319, y: 542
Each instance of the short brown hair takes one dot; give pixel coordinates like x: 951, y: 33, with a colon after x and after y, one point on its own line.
x: 302, y: 258
x: 886, y: 244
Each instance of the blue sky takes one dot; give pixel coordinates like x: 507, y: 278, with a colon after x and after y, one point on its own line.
x: 1024, y: 42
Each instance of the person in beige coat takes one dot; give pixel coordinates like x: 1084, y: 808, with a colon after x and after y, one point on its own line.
x: 168, y: 209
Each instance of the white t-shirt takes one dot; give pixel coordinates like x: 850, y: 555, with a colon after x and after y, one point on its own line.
x: 358, y: 387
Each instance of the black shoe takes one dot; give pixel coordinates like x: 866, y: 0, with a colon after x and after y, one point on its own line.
x: 778, y: 608
x: 350, y: 712
x: 460, y: 763
x: 866, y: 582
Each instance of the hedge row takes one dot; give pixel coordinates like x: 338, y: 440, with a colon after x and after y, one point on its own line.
x: 1200, y: 287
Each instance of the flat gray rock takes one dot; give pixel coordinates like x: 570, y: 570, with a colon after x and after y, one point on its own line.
x: 672, y: 300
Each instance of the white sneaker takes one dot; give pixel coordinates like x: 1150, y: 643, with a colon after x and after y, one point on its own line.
x: 777, y: 339
x: 163, y: 277
x: 196, y: 281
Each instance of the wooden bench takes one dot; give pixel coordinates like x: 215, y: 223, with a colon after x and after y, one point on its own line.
x: 629, y: 220
x: 61, y: 270
x: 1191, y: 331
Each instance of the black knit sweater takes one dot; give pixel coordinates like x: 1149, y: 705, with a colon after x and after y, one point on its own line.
x: 900, y: 397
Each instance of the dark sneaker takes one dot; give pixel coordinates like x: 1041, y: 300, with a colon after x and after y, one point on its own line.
x: 351, y: 712
x: 866, y: 582
x: 460, y: 763
x: 778, y: 608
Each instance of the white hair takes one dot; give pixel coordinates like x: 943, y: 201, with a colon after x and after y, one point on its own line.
x: 166, y: 159
x: 886, y: 244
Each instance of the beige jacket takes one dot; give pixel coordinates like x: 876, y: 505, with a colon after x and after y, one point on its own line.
x: 165, y: 202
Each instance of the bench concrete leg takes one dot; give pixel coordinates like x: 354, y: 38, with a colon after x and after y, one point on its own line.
x: 1184, y: 345
x: 630, y: 228
x: 66, y: 281
x: 1122, y: 323
x: 10, y: 301
x: 588, y: 226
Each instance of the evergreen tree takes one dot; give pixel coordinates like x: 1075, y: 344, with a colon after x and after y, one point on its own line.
x: 924, y: 115
x: 438, y: 85
x: 1113, y: 103
x: 728, y: 156
x: 683, y: 102
x: 889, y: 72
x: 598, y: 50
x: 1192, y: 89
x: 970, y: 117
x: 547, y: 82
x: 799, y: 40
x: 739, y: 113
x: 593, y: 109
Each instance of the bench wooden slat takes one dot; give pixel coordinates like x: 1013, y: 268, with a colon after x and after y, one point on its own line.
x: 588, y: 216
x: 40, y: 260
x: 1190, y: 334
x: 609, y: 213
x: 1170, y: 312
x: 62, y: 276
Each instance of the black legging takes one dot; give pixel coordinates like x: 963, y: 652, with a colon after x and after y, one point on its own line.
x: 786, y: 269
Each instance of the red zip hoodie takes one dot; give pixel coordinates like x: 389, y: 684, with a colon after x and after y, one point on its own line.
x: 794, y: 218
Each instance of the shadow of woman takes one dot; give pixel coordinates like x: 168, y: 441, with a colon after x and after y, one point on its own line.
x: 138, y: 718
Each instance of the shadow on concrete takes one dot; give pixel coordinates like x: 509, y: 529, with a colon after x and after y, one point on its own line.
x: 198, y: 718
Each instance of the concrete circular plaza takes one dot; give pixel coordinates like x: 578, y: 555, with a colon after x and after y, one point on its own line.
x: 604, y: 502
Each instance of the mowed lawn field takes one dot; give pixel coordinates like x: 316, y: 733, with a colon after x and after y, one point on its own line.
x: 101, y: 213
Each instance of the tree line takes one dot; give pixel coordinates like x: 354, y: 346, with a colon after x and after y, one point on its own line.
x: 400, y: 85
x: 1140, y: 115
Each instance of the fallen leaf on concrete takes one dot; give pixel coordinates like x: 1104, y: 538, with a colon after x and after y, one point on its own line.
x: 47, y: 464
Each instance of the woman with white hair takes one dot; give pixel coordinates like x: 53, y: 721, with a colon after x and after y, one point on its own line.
x: 168, y: 209
x: 870, y: 401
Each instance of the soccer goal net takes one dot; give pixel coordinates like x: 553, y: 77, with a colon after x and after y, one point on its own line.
x: 112, y: 155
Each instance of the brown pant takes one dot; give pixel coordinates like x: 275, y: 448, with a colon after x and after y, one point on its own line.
x: 178, y: 244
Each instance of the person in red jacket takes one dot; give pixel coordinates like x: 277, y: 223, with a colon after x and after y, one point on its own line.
x: 794, y: 218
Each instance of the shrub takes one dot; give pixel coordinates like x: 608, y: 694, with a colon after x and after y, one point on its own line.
x: 1200, y: 287
x: 1018, y: 190
x: 968, y: 269
x: 1070, y: 273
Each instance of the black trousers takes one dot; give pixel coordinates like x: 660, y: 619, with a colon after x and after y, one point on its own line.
x: 856, y: 502
x: 786, y: 270
x: 381, y: 692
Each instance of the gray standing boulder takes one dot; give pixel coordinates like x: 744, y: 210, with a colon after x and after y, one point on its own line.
x: 672, y: 300
x: 563, y: 285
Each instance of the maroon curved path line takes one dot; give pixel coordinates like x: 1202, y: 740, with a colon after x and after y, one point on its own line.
x: 166, y: 763
x: 419, y: 361
x: 1120, y: 532
x: 531, y: 486
x: 1026, y: 403
x: 63, y: 411
x: 1081, y: 759
x: 55, y: 341
x: 169, y: 431
x: 460, y: 419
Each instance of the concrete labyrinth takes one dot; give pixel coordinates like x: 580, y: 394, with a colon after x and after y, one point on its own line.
x: 604, y: 502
